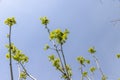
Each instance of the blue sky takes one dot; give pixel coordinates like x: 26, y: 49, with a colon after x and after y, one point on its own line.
x: 88, y: 21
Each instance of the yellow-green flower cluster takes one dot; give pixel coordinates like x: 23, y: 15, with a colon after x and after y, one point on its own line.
x: 85, y: 73
x: 46, y: 47
x: 10, y: 21
x: 92, y: 69
x: 55, y: 61
x: 118, y: 56
x: 44, y: 20
x: 91, y: 50
x: 82, y: 60
x: 59, y: 36
x: 17, y: 55
x: 23, y: 75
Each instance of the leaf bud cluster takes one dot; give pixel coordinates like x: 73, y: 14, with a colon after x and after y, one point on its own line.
x: 59, y: 36
x: 82, y: 60
x: 23, y: 75
x: 91, y: 50
x: 10, y: 21
x: 44, y: 20
x: 17, y: 54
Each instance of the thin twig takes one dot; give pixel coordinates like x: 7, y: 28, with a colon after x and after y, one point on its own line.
x: 18, y: 71
x: 92, y: 76
x: 88, y: 78
x: 64, y: 60
x: 101, y: 1
x: 81, y: 70
x: 27, y: 72
x: 98, y: 65
x: 48, y: 30
x: 60, y: 59
x: 115, y: 21
x: 62, y: 71
x: 11, y: 70
x: 56, y: 49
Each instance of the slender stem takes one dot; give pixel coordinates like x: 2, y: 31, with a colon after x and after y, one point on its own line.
x: 98, y: 65
x: 56, y: 49
x: 81, y: 70
x: 27, y: 72
x: 52, y: 48
x: 62, y: 71
x: 92, y: 76
x: 88, y: 78
x: 116, y: 20
x: 64, y: 60
x: 63, y: 55
x: 82, y: 77
x: 10, y: 63
x: 47, y: 29
x: 18, y: 71
x: 60, y: 59
x: 101, y: 1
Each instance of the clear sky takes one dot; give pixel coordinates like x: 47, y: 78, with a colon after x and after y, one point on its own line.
x: 88, y: 21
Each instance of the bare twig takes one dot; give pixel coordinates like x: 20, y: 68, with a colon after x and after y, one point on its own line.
x: 98, y: 65
x: 27, y: 72
x: 101, y: 1
x: 64, y: 60
x: 116, y: 20
x: 11, y: 70
x: 81, y: 70
x: 88, y: 78
x: 18, y: 71
x: 63, y: 63
x: 56, y: 49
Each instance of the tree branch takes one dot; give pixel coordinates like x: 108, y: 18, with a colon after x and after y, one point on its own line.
x: 10, y: 63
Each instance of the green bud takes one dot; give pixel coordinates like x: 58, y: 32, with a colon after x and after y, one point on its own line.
x: 44, y: 20
x: 91, y: 50
x: 46, y: 47
x: 23, y: 75
x: 85, y: 73
x: 92, y: 69
x: 81, y: 60
x: 87, y: 61
x: 118, y: 56
x: 7, y: 55
x: 51, y: 57
x: 66, y: 31
x: 56, y: 63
